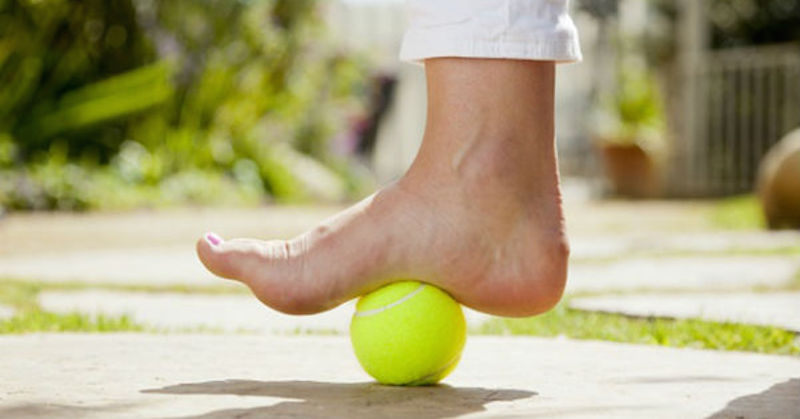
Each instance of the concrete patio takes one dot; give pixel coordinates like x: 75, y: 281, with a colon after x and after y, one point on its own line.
x: 281, y: 371
x: 204, y: 376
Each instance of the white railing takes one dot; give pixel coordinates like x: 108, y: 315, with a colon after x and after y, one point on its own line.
x: 744, y: 101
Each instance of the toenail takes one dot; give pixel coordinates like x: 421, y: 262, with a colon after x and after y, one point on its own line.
x: 213, y: 239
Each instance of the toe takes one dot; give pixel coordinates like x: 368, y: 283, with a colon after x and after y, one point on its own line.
x: 268, y: 268
x: 230, y: 259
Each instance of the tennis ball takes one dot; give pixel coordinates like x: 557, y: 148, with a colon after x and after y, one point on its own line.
x: 408, y: 333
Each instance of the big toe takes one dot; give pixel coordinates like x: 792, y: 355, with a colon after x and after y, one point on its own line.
x: 232, y: 259
x: 266, y: 267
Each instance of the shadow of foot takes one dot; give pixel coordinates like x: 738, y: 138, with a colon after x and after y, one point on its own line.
x: 353, y: 400
x: 779, y: 401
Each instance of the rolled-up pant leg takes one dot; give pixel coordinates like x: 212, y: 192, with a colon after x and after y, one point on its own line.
x: 514, y: 29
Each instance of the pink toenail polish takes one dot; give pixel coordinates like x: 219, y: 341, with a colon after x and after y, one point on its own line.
x: 213, y: 239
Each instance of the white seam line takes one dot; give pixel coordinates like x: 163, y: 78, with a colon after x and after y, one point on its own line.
x: 435, y: 373
x: 390, y: 305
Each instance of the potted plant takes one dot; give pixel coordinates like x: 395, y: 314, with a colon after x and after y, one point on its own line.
x: 628, y: 130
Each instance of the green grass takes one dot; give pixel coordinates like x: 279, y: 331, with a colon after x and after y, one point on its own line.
x: 738, y: 213
x: 21, y: 294
x: 691, y: 333
x: 32, y: 321
x: 30, y: 318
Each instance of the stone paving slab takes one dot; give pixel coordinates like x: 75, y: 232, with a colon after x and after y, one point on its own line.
x: 45, y: 232
x: 165, y: 265
x: 222, y: 376
x: 583, y: 247
x: 22, y: 233
x: 612, y: 216
x: 768, y: 309
x: 684, y: 273
x: 626, y: 244
x: 220, y: 312
x: 179, y: 265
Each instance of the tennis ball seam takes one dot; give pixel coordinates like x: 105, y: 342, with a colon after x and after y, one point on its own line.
x: 425, y: 378
x: 371, y: 312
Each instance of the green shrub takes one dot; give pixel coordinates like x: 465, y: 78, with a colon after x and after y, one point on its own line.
x: 142, y: 102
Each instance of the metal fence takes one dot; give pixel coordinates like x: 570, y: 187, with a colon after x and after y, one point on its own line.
x: 741, y: 102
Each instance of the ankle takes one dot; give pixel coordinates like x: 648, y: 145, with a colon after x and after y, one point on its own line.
x: 503, y: 154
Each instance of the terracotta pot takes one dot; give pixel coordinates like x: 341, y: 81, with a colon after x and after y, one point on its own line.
x: 630, y: 170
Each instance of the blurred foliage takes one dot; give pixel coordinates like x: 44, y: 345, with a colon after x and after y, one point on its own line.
x: 599, y: 9
x: 753, y: 22
x: 627, y: 104
x: 732, y: 23
x: 633, y: 111
x: 123, y: 103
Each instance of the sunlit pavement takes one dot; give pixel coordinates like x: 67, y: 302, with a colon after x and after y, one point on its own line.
x: 663, y: 248
x: 317, y: 376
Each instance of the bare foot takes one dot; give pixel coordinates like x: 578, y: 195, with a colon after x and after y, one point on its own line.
x: 478, y: 214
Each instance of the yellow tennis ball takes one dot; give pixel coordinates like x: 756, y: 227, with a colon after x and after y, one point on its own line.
x: 408, y: 333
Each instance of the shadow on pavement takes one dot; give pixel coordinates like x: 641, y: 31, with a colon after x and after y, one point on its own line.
x: 779, y: 401
x: 319, y: 399
x: 56, y: 410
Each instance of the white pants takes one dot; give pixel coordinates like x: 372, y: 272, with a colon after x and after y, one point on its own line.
x: 516, y: 29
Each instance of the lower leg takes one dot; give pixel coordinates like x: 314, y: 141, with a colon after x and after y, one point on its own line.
x: 488, y: 155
